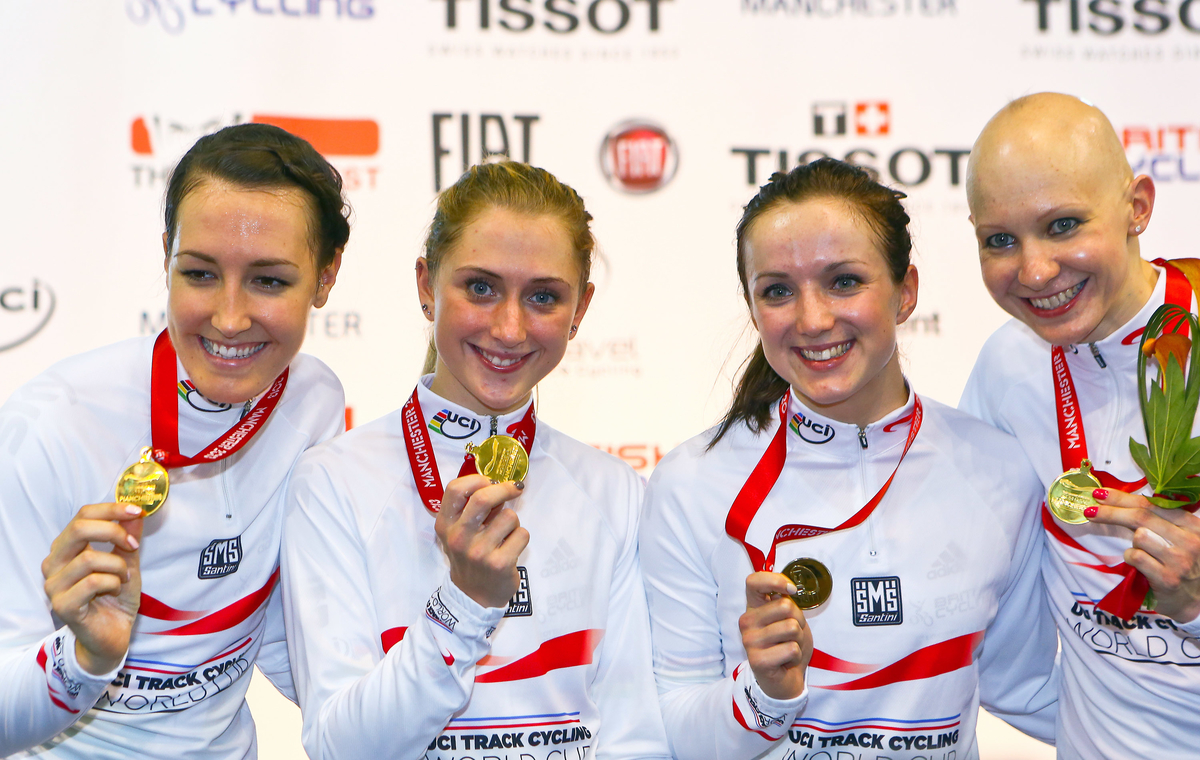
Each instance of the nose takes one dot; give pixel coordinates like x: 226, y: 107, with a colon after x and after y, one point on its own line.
x: 1037, y: 266
x: 231, y: 313
x: 508, y: 326
x: 813, y: 315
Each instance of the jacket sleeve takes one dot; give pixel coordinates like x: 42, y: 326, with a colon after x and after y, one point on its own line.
x: 630, y: 722
x: 707, y: 714
x: 358, y: 701
x: 1018, y: 672
x: 43, y: 690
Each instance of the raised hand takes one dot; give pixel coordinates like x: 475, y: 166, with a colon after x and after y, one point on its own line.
x: 776, y: 636
x: 97, y: 593
x: 482, y: 538
x: 1166, y: 548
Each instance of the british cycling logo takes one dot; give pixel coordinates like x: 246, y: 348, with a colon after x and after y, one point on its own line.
x: 173, y: 15
x: 25, y: 308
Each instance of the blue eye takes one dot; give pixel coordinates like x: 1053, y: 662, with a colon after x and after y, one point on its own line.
x: 845, y: 282
x: 1066, y: 224
x: 1000, y: 240
x: 479, y: 288
x: 544, y: 298
x: 777, y: 290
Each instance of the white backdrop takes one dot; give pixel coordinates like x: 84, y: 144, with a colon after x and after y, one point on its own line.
x: 664, y: 114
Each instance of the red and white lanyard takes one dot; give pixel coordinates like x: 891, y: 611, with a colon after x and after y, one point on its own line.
x: 164, y: 413
x: 763, y: 478
x: 1124, y: 600
x: 423, y: 462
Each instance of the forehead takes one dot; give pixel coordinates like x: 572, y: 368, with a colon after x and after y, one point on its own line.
x: 515, y: 243
x: 1021, y: 180
x: 219, y: 207
x: 818, y: 231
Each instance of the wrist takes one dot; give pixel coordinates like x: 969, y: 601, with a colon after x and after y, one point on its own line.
x: 93, y: 664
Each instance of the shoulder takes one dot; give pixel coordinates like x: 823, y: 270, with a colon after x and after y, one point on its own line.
x: 311, y: 381
x: 693, y: 475
x: 1011, y: 351
x: 607, y: 482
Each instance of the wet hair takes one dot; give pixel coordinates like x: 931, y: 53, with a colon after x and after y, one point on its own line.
x: 879, y: 207
x: 516, y: 187
x: 265, y: 157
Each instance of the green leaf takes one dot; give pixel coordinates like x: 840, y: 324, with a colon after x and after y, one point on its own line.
x: 1159, y: 501
x: 1141, y: 457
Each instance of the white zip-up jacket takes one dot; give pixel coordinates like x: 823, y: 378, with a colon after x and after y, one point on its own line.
x: 209, y: 561
x: 1129, y: 688
x: 936, y: 606
x: 392, y: 660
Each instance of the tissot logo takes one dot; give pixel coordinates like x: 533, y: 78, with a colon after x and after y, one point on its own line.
x: 1107, y: 18
x: 811, y: 430
x: 876, y: 601
x: 871, y: 118
x: 173, y: 16
x: 456, y: 426
x: 638, y: 157
x: 25, y: 308
x: 557, y: 16
x: 220, y: 558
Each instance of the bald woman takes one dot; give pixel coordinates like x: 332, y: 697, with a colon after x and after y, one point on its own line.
x: 1057, y: 213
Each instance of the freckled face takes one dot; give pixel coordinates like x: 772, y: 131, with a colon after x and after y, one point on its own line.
x: 826, y: 308
x: 503, y: 302
x: 241, y: 279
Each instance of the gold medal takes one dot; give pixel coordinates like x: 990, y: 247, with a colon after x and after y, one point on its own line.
x: 145, y: 484
x: 501, y: 458
x: 813, y: 582
x: 1071, y: 493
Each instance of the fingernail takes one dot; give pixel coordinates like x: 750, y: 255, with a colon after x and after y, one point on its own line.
x: 131, y: 509
x: 1091, y: 512
x: 520, y: 484
x: 791, y: 589
x: 1100, y: 493
x: 133, y: 542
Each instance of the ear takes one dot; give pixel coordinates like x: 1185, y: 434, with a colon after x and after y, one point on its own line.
x: 425, y: 287
x: 1141, y: 200
x: 585, y: 300
x: 908, y: 295
x: 326, y: 278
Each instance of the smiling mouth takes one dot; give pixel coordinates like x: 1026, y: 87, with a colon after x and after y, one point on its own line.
x: 1058, y: 299
x: 497, y: 361
x: 826, y: 354
x: 231, y: 352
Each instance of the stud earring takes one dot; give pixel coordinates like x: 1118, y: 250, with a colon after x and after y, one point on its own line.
x: 574, y: 328
x: 1137, y: 228
x: 425, y: 308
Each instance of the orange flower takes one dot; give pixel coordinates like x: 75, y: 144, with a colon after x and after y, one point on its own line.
x: 1171, y: 344
x: 1148, y: 346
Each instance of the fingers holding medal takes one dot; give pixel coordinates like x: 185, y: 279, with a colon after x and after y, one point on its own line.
x: 775, y: 635
x: 482, y: 537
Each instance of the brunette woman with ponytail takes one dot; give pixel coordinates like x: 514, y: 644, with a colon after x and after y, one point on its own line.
x: 798, y: 556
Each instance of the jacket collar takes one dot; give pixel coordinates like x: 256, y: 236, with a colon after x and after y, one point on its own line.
x: 451, y: 426
x: 810, y: 434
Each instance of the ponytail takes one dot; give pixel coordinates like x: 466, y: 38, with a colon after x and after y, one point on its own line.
x: 758, y: 389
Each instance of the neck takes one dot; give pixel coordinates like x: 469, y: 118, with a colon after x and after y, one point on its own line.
x: 448, y: 387
x: 882, y: 395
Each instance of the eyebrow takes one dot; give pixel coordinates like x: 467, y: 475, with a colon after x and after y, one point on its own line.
x: 255, y: 263
x: 489, y: 273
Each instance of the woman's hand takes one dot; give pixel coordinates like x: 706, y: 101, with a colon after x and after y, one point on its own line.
x: 482, y: 538
x: 1166, y: 548
x: 776, y: 636
x: 97, y: 593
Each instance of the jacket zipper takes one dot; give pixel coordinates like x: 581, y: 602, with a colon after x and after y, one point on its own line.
x: 1114, y: 385
x: 225, y: 488
x: 862, y: 472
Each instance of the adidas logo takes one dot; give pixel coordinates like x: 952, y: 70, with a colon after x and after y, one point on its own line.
x: 563, y: 558
x: 950, y: 561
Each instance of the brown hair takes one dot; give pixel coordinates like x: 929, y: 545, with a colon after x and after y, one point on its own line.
x: 516, y: 187
x: 260, y: 156
x: 760, y: 386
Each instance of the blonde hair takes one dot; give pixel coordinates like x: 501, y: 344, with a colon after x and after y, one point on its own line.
x: 516, y: 187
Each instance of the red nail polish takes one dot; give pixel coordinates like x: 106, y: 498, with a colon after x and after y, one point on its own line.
x: 1091, y: 512
x: 1099, y: 493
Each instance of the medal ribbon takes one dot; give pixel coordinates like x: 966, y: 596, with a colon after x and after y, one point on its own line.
x: 1126, y: 599
x: 763, y: 478
x: 423, y: 462
x: 164, y: 413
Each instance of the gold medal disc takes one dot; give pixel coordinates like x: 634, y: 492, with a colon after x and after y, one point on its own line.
x: 145, y: 484
x: 813, y: 582
x: 501, y: 458
x: 1071, y: 493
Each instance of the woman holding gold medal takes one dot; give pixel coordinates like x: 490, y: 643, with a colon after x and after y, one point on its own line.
x: 494, y: 614
x: 178, y: 447
x: 841, y: 565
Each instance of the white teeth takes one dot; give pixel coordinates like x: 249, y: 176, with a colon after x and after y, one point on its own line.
x: 498, y: 361
x: 1053, y: 302
x: 827, y: 354
x: 232, y: 352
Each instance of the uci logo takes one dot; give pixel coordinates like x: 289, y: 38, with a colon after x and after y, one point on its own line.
x: 456, y: 426
x: 24, y: 311
x: 811, y: 431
